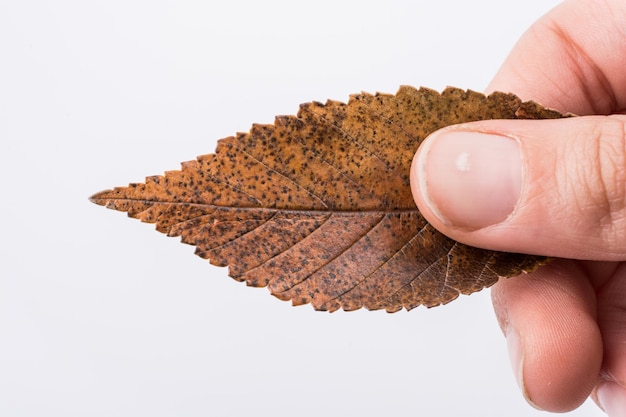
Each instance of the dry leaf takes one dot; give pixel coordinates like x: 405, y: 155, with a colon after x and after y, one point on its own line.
x: 318, y: 207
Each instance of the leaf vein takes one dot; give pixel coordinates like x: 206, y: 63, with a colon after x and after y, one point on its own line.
x: 336, y: 255
x: 358, y: 143
x: 283, y: 175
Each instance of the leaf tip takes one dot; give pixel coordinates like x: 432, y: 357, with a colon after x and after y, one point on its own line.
x: 99, y: 198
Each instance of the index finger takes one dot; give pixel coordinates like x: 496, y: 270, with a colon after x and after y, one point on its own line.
x: 573, y: 59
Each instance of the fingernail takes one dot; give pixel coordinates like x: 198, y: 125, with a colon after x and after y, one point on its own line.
x: 612, y: 399
x: 516, y: 356
x: 470, y: 180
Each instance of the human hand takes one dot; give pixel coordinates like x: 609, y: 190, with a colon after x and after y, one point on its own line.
x: 555, y: 188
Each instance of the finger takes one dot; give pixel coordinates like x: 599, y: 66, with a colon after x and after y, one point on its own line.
x: 555, y: 345
x: 611, y: 397
x: 611, y: 392
x: 572, y: 59
x: 549, y: 187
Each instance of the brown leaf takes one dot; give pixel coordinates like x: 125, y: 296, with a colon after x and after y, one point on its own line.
x: 318, y: 207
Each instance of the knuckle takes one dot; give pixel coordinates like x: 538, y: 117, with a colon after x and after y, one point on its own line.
x: 605, y: 175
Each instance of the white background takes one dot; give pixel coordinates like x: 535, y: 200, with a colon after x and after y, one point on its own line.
x: 102, y: 316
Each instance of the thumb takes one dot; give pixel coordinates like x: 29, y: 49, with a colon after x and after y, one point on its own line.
x: 548, y: 187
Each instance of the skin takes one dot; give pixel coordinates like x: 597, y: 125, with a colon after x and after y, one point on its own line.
x: 566, y: 322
